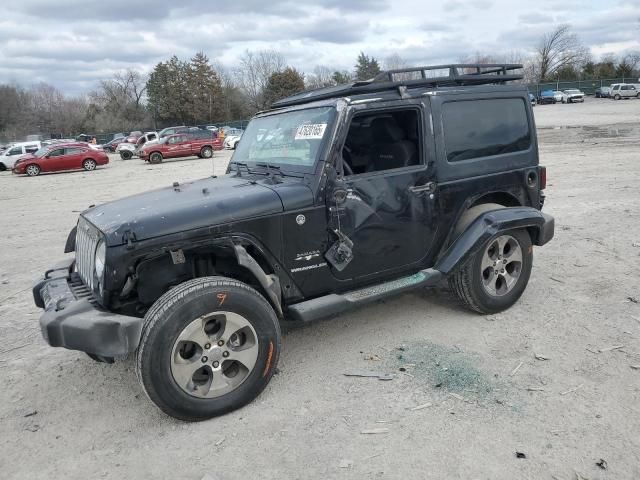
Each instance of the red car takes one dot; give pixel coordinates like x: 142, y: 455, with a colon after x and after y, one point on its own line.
x: 181, y: 145
x: 54, y: 158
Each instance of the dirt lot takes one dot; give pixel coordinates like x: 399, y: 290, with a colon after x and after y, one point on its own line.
x: 64, y: 416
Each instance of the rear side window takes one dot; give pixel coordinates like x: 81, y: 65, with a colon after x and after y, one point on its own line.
x: 482, y: 128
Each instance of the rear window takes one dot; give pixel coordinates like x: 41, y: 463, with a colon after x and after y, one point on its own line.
x: 482, y: 128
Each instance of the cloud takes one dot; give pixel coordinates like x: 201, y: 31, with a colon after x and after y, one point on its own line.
x: 73, y: 44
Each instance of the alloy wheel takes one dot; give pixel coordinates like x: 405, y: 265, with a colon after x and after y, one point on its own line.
x: 214, y: 354
x: 501, y: 265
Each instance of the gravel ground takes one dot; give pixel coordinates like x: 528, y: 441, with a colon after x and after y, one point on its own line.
x: 484, y: 393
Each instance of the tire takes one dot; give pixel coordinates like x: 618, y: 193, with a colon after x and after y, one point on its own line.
x: 214, y: 303
x: 206, y: 152
x: 32, y: 170
x: 616, y: 97
x: 126, y: 155
x: 3, y: 167
x: 89, y: 164
x: 472, y: 285
x: 155, y: 157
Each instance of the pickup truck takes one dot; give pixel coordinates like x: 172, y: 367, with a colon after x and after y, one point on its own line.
x: 180, y: 145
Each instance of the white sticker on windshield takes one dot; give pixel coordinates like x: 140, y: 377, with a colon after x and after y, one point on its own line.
x: 311, y: 132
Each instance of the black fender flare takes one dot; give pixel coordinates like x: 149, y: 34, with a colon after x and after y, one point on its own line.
x: 70, y: 245
x: 270, y: 283
x: 486, y: 225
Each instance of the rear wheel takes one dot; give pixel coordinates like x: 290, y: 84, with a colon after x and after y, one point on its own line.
x: 32, y: 170
x: 496, y: 276
x: 3, y: 167
x: 89, y: 164
x: 126, y: 155
x: 206, y: 152
x: 155, y: 157
x: 208, y: 347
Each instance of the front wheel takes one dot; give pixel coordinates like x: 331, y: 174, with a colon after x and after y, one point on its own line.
x: 155, y: 158
x: 126, y: 155
x: 89, y: 165
x: 32, y: 170
x: 496, y: 276
x: 208, y: 347
x: 616, y: 97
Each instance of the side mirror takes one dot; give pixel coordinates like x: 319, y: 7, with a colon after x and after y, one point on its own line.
x: 340, y: 193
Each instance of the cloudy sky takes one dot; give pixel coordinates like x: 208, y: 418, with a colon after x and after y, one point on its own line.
x: 72, y: 44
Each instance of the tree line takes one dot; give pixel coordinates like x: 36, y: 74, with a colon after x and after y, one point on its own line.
x: 199, y: 91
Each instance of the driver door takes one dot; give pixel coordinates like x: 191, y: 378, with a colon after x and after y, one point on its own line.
x: 388, y: 208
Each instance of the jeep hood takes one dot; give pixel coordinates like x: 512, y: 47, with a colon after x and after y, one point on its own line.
x: 189, y: 206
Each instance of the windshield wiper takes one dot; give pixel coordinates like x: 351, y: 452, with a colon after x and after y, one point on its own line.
x: 270, y: 173
x: 238, y: 166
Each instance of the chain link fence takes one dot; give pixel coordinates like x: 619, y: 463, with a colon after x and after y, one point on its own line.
x: 586, y: 86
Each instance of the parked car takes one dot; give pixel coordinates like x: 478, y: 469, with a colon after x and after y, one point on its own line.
x: 128, y: 150
x: 573, y: 95
x: 231, y: 140
x: 547, y: 97
x: 624, y: 90
x: 603, y: 92
x: 180, y: 145
x: 12, y: 152
x: 532, y: 99
x: 134, y: 136
x: 194, y: 279
x: 111, y: 145
x: 55, y: 158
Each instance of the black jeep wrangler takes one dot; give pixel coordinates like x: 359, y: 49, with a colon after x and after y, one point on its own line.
x: 334, y: 198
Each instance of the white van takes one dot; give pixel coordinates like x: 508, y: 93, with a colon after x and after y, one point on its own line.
x: 13, y: 152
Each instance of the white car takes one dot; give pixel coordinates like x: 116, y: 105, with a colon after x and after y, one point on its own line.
x: 231, y: 142
x: 573, y: 95
x: 14, y: 151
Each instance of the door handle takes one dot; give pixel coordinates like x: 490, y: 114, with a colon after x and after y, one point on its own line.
x: 429, y: 187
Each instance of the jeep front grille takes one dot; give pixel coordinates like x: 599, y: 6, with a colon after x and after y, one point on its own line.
x: 87, y: 237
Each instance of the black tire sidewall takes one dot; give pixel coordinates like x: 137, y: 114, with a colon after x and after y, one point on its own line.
x: 155, y: 158
x: 126, y: 155
x: 154, y: 359
x: 496, y: 304
x: 204, y: 154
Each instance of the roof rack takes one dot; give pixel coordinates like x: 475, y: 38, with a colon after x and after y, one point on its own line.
x: 451, y: 75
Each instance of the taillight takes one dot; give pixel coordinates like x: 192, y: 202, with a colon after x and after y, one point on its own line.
x: 543, y: 178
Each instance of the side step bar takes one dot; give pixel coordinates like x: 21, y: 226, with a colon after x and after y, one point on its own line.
x: 333, y: 304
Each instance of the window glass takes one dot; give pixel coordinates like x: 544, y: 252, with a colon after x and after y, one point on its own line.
x: 73, y: 150
x: 15, y: 151
x: 57, y: 152
x: 383, y: 140
x: 481, y: 128
x: 173, y: 140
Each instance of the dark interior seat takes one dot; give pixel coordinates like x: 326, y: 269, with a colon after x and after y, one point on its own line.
x: 390, y: 147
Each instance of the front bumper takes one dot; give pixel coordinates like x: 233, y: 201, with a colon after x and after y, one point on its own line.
x: 72, y: 320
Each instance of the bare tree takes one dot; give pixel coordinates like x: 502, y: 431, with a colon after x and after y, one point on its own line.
x: 558, y: 49
x: 254, y: 72
x: 394, y: 62
x: 121, y: 97
x: 322, y: 76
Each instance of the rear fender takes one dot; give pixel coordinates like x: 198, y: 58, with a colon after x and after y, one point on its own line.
x: 539, y: 225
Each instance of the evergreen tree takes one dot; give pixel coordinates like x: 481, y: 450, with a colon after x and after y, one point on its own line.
x: 366, y: 68
x: 282, y: 84
x: 204, y: 91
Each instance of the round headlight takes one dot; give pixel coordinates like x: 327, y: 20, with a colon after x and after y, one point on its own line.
x: 101, y: 253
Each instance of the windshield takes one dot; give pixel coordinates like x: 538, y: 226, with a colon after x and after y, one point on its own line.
x: 41, y: 152
x: 290, y: 140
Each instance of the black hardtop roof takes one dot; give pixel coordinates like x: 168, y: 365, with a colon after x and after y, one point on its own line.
x: 409, y: 79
